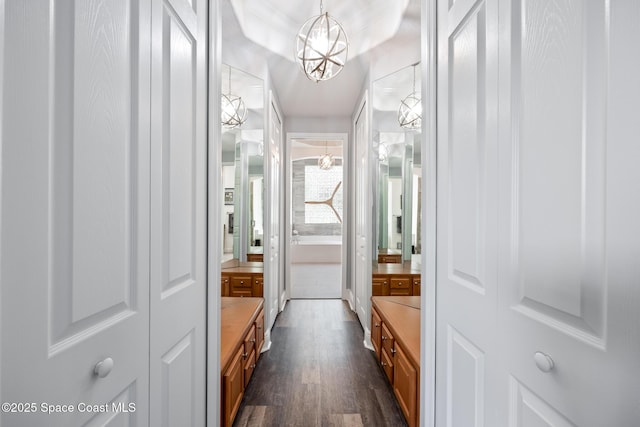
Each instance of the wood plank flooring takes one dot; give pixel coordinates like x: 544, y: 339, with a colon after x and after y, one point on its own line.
x: 318, y: 373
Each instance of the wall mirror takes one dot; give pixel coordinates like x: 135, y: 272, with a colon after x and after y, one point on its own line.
x: 243, y: 169
x: 398, y: 169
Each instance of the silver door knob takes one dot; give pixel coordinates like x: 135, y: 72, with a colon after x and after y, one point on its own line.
x: 544, y: 362
x: 103, y: 368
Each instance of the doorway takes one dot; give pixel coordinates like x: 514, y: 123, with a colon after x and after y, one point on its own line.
x: 315, y: 215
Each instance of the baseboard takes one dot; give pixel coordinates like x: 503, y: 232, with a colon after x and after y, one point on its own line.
x: 367, y: 339
x: 267, y: 342
x: 348, y: 296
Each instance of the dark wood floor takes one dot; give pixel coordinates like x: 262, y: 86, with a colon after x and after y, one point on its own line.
x: 318, y: 373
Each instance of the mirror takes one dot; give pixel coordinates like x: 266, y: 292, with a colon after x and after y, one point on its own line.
x: 398, y: 168
x: 243, y: 170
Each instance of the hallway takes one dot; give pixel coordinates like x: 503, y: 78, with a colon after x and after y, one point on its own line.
x: 318, y: 373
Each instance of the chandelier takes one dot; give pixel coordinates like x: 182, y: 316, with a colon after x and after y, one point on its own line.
x: 321, y: 47
x: 233, y: 112
x: 326, y: 161
x: 410, y: 111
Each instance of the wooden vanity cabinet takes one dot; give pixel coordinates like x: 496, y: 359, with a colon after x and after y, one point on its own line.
x: 242, y: 338
x: 395, y: 279
x: 397, y: 346
x: 235, y: 282
x: 389, y: 258
x: 255, y: 257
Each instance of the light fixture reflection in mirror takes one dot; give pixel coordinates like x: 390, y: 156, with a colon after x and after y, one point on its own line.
x: 233, y: 111
x: 410, y: 110
x: 243, y: 171
x: 397, y: 207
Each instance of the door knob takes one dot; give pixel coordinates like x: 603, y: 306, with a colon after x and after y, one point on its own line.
x: 103, y: 368
x: 544, y: 362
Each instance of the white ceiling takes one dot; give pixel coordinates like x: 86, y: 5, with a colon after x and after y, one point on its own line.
x: 384, y: 36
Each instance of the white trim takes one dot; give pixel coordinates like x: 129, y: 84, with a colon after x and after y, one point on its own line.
x: 214, y: 155
x: 429, y: 173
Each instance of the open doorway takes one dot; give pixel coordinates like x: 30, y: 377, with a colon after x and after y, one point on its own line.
x: 315, y: 183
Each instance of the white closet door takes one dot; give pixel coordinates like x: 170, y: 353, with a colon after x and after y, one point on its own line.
x: 178, y: 213
x: 362, y: 265
x: 75, y: 210
x: 568, y: 287
x: 537, y: 291
x: 469, y: 390
x: 273, y: 268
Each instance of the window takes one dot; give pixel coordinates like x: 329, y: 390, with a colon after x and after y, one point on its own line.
x: 319, y: 186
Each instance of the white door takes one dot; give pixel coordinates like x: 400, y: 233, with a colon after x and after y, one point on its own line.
x: 75, y: 210
x: 537, y: 292
x: 178, y: 213
x: 363, y: 208
x: 273, y: 282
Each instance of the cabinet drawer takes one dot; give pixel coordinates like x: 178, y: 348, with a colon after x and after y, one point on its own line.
x: 387, y: 340
x: 241, y: 282
x: 387, y: 364
x: 249, y: 366
x: 400, y: 292
x: 376, y: 331
x: 240, y: 292
x: 400, y: 283
x: 249, y: 341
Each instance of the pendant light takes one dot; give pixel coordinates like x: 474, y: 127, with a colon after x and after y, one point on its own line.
x: 410, y: 111
x: 326, y: 161
x: 233, y: 112
x: 321, y: 47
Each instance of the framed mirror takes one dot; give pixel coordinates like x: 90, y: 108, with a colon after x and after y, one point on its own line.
x: 396, y: 139
x: 242, y: 166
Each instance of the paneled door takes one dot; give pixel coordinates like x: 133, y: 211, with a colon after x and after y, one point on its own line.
x: 273, y: 267
x: 178, y: 213
x: 75, y: 212
x: 363, y: 260
x: 537, y: 290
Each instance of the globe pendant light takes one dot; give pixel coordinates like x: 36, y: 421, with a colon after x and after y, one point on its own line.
x: 410, y: 111
x: 321, y: 47
x: 233, y: 112
x: 326, y: 161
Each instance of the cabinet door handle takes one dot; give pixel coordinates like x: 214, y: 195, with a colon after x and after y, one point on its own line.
x: 544, y: 362
x: 244, y: 355
x: 383, y: 364
x: 252, y: 340
x: 103, y: 368
x: 383, y: 338
x: 377, y: 325
x: 253, y: 366
x: 393, y: 351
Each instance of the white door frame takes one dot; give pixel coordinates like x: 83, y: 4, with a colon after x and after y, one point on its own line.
x: 428, y: 257
x: 332, y: 136
x: 214, y: 194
